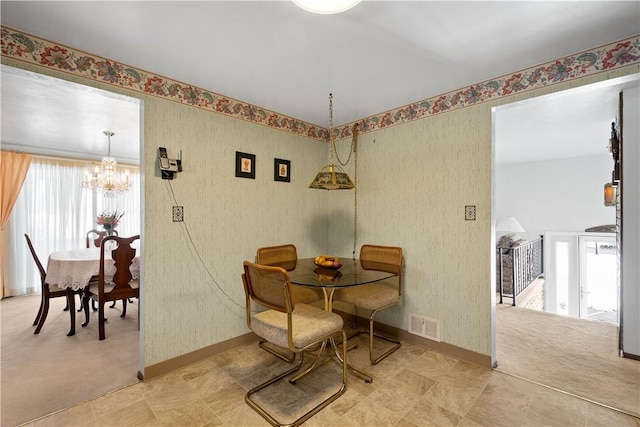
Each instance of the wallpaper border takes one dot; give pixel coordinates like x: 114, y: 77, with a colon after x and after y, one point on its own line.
x: 32, y: 49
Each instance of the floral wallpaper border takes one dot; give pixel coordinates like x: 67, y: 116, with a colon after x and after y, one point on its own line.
x: 27, y: 48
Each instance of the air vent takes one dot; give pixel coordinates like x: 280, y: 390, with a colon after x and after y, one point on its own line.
x: 424, y: 327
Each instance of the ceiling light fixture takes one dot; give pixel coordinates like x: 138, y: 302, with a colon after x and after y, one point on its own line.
x: 332, y: 176
x: 105, y: 179
x: 326, y: 7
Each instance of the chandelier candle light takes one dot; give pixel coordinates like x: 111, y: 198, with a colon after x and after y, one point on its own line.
x: 106, y: 179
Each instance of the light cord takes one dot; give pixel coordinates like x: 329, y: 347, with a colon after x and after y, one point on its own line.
x: 354, y: 147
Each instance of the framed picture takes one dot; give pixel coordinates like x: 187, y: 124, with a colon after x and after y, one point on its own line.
x: 282, y: 170
x: 245, y: 165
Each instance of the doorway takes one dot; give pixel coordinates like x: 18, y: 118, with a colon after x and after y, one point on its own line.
x: 598, y: 286
x: 582, y: 275
x: 69, y: 110
x: 541, y: 169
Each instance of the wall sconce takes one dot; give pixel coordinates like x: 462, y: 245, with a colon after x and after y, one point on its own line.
x: 610, y: 194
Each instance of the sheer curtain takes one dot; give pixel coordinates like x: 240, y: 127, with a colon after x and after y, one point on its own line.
x: 56, y: 213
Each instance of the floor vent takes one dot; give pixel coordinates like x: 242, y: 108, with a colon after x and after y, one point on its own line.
x: 425, y: 327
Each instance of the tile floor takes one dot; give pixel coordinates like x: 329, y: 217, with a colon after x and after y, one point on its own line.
x: 413, y: 387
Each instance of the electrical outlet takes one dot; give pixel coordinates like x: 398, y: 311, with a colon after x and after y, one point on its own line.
x: 470, y: 213
x: 178, y: 214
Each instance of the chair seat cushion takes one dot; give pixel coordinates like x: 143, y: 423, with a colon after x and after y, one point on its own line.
x: 310, y: 324
x: 108, y: 287
x: 371, y: 296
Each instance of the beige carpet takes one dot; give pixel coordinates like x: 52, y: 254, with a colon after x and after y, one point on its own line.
x: 48, y: 372
x: 573, y: 355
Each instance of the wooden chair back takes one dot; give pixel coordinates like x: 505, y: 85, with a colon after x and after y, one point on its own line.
x: 123, y: 256
x: 43, y: 273
x: 96, y: 236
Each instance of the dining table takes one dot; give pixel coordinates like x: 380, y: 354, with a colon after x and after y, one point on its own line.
x: 74, y: 269
x: 353, y: 272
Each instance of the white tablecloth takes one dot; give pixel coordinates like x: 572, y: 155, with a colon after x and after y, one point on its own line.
x: 74, y: 268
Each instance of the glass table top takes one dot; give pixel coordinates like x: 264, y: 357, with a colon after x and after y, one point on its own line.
x: 353, y: 272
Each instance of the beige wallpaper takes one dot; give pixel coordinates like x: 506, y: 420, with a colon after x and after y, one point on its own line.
x: 414, y: 182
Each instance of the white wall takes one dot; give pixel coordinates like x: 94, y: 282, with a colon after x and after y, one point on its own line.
x: 555, y: 195
x: 631, y: 223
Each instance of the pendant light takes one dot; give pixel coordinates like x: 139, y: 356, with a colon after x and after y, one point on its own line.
x: 332, y: 176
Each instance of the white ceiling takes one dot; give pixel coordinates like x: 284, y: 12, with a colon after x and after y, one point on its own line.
x: 378, y: 56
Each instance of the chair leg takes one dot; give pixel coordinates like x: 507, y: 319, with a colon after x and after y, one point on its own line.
x: 290, y: 357
x: 101, y: 320
x: 93, y: 305
x: 43, y: 315
x: 35, y: 322
x: 80, y: 308
x: 260, y: 410
x: 124, y: 307
x: 375, y: 360
x: 85, y: 307
x: 113, y: 304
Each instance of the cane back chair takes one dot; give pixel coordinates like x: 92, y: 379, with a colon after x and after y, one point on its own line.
x: 376, y: 296
x: 287, y: 323
x: 283, y: 255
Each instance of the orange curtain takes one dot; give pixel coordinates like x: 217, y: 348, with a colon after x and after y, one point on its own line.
x: 13, y: 170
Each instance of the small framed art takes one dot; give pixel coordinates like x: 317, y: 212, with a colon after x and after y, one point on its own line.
x: 245, y: 165
x: 282, y: 170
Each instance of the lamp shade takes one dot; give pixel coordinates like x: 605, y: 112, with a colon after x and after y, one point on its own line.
x: 510, y: 225
x: 330, y: 179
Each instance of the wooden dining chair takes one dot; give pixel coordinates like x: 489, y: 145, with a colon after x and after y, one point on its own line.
x: 94, y: 239
x: 120, y: 287
x: 273, y: 315
x: 284, y: 254
x: 376, y: 296
x: 47, y: 292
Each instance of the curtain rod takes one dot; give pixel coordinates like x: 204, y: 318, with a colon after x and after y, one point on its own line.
x: 69, y: 159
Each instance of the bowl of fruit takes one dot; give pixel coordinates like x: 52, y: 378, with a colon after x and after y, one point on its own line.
x: 326, y: 261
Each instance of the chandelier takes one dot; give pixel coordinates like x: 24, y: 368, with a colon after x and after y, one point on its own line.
x: 105, y: 178
x: 332, y: 176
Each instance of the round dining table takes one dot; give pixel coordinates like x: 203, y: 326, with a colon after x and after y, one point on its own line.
x: 73, y: 270
x: 354, y: 272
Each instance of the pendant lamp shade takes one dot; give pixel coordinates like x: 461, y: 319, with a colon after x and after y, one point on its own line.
x: 330, y: 179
